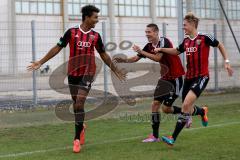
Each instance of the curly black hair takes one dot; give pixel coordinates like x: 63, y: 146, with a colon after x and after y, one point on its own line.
x: 88, y: 11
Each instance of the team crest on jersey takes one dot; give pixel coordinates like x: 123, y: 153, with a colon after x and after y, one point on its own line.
x: 199, y: 41
x: 92, y: 37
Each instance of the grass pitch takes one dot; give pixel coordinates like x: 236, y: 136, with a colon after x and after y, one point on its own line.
x: 40, y: 135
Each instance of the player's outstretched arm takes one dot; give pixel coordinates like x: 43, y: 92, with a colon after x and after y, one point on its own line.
x: 155, y: 57
x: 172, y: 51
x: 126, y: 60
x: 53, y: 52
x: 107, y: 60
x: 226, y: 60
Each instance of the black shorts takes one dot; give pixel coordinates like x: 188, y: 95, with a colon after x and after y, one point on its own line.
x: 79, y: 82
x: 197, y: 85
x: 167, y: 91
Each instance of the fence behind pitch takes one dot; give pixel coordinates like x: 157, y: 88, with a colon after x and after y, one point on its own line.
x: 16, y: 54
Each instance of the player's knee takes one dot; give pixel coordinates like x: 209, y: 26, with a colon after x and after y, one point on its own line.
x: 79, y: 103
x: 155, y: 106
x: 167, y: 110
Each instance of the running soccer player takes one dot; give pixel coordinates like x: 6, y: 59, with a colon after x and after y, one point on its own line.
x: 82, y: 40
x: 173, y: 76
x: 197, y: 46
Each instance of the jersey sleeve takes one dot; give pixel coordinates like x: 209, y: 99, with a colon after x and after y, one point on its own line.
x: 64, y: 40
x: 99, y: 45
x: 181, y: 48
x: 211, y: 41
x: 144, y: 49
x: 168, y: 43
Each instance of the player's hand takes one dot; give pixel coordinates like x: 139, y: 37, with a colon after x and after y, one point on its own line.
x: 34, y: 66
x: 229, y: 69
x: 156, y: 50
x: 136, y: 48
x: 119, y: 60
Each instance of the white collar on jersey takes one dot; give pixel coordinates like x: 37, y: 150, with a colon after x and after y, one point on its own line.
x: 84, y: 31
x: 158, y: 44
x: 192, y: 38
x: 155, y: 46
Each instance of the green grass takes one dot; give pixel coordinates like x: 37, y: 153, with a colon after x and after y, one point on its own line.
x: 40, y: 135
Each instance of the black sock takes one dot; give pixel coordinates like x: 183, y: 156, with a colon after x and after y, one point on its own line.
x: 155, y: 123
x: 182, y: 119
x: 176, y: 110
x: 78, y: 129
x: 79, y: 119
x: 197, y: 111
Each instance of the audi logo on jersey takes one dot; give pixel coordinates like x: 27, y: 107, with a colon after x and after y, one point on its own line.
x: 82, y: 44
x: 191, y: 49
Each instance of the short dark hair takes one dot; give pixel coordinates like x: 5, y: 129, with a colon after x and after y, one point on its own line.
x: 88, y: 11
x: 154, y: 26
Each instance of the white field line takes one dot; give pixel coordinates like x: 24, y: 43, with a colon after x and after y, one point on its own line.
x: 107, y: 142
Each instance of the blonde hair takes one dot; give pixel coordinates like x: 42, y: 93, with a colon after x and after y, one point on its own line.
x: 191, y: 18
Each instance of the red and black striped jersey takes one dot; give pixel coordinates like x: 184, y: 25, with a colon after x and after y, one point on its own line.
x: 197, y: 53
x: 171, y: 65
x: 82, y: 57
